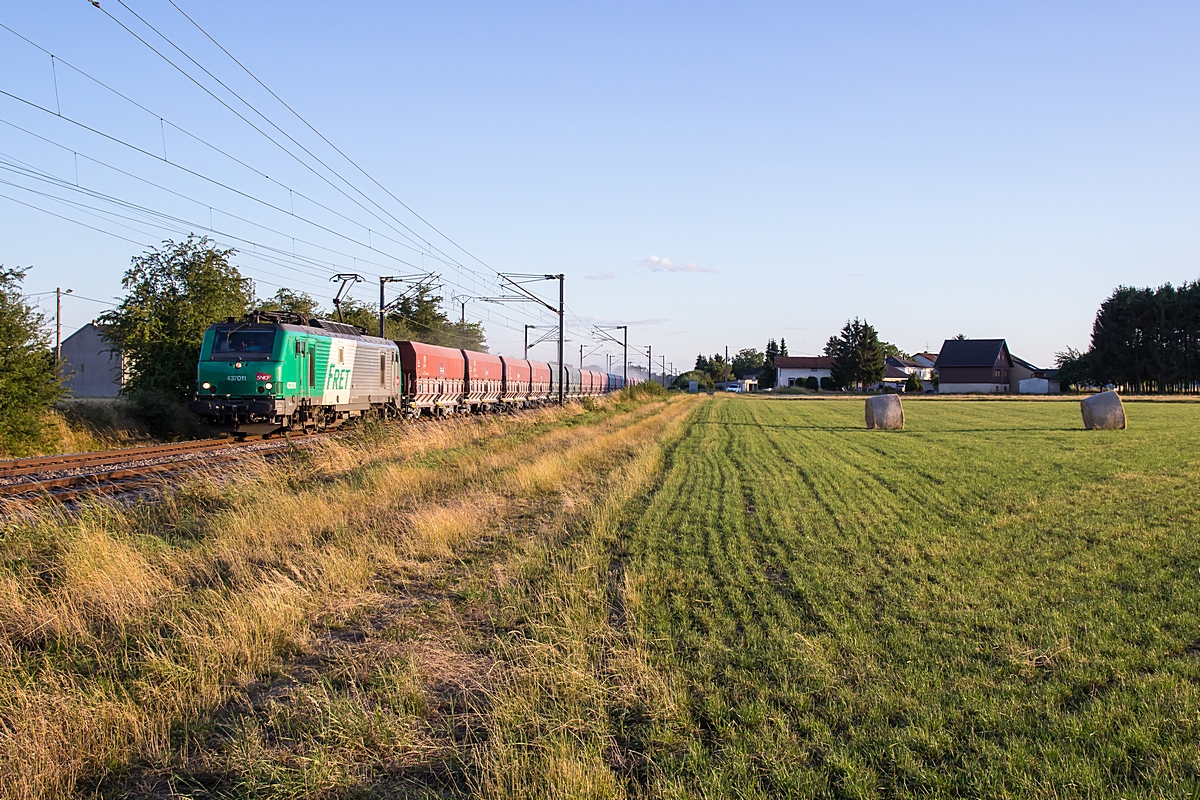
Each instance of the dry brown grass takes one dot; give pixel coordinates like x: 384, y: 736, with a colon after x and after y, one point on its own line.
x: 143, y: 646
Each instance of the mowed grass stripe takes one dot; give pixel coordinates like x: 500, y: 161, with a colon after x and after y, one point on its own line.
x: 993, y: 602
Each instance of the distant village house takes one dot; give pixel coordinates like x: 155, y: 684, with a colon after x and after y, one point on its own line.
x: 795, y: 370
x: 985, y: 366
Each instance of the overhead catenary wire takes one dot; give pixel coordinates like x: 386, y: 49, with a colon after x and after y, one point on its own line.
x: 323, y: 138
x: 77, y: 187
x: 458, y: 265
x: 507, y: 322
x: 429, y: 250
x: 201, y: 140
x: 257, y: 112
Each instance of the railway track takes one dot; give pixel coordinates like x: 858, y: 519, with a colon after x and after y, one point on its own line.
x: 135, y: 469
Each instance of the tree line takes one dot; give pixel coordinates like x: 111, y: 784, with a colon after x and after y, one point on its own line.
x: 173, y: 293
x: 858, y: 361
x: 1143, y: 341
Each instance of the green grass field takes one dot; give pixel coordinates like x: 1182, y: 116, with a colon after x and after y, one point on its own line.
x: 993, y: 602
x: 684, y: 597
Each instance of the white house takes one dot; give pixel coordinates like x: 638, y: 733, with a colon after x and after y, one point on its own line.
x: 911, y: 367
x: 795, y: 370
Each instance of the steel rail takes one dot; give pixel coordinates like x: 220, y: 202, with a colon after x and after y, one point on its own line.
x: 32, y: 466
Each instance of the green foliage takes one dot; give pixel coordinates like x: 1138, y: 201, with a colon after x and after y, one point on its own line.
x: 704, y: 380
x: 1075, y: 368
x: 893, y: 351
x: 746, y: 360
x: 1148, y: 340
x: 782, y: 346
x: 828, y: 384
x: 811, y: 383
x: 913, y: 384
x: 301, y: 303
x: 646, y: 390
x: 858, y: 357
x: 767, y: 380
x: 713, y: 367
x: 173, y: 295
x: 29, y: 381
x: 419, y: 318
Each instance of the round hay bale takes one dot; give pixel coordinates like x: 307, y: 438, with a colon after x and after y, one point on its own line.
x: 1103, y: 412
x: 885, y: 413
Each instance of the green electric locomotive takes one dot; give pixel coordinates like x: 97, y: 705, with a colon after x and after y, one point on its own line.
x: 273, y: 372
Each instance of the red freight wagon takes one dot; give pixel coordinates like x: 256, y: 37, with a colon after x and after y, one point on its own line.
x: 604, y: 387
x: 516, y: 381
x: 587, y: 383
x: 433, y: 377
x: 485, y: 376
x: 539, y: 385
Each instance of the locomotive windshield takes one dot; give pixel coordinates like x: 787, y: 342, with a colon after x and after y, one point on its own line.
x: 243, y: 344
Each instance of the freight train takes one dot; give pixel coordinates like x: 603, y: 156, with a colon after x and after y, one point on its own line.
x: 273, y: 372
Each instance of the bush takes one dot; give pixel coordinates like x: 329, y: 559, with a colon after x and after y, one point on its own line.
x: 811, y: 383
x: 646, y: 390
x: 29, y: 380
x: 828, y: 385
x: 913, y: 384
x: 704, y: 380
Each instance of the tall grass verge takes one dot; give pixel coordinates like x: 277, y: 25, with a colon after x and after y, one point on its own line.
x: 211, y: 639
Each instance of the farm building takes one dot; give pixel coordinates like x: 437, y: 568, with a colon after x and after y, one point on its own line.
x: 1028, y: 379
x: 986, y: 366
x: 795, y: 370
x: 974, y: 366
x: 90, y: 368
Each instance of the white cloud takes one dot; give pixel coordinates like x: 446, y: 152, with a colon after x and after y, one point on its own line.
x: 586, y: 320
x: 656, y: 264
x: 600, y: 276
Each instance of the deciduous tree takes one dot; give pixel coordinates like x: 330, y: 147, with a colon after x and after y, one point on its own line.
x: 173, y: 294
x: 746, y: 359
x: 29, y: 380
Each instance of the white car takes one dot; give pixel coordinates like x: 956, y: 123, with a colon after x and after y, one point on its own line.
x: 733, y: 388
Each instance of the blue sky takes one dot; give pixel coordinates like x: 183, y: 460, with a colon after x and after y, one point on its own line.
x: 711, y: 174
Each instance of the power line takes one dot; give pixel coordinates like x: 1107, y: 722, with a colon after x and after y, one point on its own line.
x: 492, y: 317
x: 229, y: 156
x: 251, y: 106
x: 454, y: 262
x: 322, y: 136
x: 430, y: 248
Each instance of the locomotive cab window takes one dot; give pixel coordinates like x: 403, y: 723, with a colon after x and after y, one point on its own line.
x: 243, y: 344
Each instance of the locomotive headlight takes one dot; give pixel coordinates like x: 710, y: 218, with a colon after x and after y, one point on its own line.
x: 206, y: 385
x: 267, y: 386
